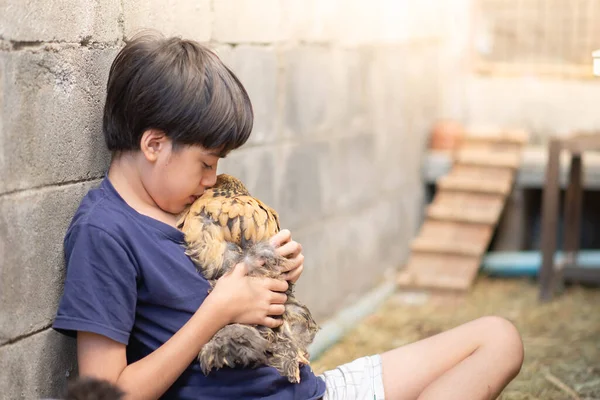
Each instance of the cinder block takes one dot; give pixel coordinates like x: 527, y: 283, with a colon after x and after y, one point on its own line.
x: 349, y: 109
x: 354, y: 172
x: 309, y: 91
x: 37, y: 367
x: 358, y: 23
x: 319, y: 280
x: 353, y: 243
x: 424, y: 87
x: 70, y: 21
x: 32, y: 228
x: 387, y: 104
x: 52, y: 116
x: 398, y: 215
x: 257, y: 69
x: 255, y: 166
x: 364, y: 244
x: 245, y: 21
x: 190, y: 19
x: 302, y: 185
x: 311, y: 20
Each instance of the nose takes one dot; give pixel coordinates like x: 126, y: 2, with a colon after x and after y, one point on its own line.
x: 209, y: 180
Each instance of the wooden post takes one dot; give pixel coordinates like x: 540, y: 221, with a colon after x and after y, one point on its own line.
x: 550, y: 209
x: 572, y: 211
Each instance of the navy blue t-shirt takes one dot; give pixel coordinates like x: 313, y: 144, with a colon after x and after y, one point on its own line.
x: 129, y: 279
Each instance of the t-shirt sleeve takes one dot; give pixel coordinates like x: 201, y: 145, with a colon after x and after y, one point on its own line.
x: 100, y: 290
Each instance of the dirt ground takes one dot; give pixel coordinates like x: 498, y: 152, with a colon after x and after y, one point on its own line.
x: 562, y: 338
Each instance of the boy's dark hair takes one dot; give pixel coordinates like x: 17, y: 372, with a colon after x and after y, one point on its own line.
x: 179, y: 87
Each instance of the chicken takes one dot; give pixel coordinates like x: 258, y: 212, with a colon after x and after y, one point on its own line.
x: 223, y: 227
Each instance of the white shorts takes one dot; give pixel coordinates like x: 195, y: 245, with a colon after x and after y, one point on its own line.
x: 360, y: 379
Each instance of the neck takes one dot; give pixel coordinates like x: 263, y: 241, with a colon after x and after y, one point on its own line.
x: 124, y: 174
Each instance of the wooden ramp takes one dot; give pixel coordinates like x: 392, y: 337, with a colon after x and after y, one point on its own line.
x: 465, y: 210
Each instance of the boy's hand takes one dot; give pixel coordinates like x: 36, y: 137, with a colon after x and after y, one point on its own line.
x: 248, y: 300
x: 292, y: 250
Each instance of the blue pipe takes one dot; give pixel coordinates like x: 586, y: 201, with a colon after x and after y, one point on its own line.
x: 528, y: 263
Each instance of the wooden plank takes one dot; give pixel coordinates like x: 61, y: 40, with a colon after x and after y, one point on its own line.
x: 495, y: 135
x: 452, y: 238
x: 582, y: 142
x: 473, y: 208
x: 438, y: 271
x: 506, y: 159
x: 572, y: 208
x: 496, y: 147
x: 498, y: 69
x: 475, y: 185
x: 464, y: 212
x: 483, y: 173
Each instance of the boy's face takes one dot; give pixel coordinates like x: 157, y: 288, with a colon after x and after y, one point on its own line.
x: 175, y: 177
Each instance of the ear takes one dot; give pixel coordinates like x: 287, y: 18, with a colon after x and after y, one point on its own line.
x: 152, y: 143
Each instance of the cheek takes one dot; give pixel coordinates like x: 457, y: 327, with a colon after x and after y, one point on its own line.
x: 175, y: 184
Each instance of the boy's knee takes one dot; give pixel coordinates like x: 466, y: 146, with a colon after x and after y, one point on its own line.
x: 504, y: 336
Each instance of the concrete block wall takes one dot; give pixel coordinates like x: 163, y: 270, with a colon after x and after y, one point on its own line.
x: 547, y: 107
x: 544, y: 104
x: 344, y: 93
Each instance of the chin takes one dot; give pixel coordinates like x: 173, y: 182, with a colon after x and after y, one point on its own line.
x: 173, y: 209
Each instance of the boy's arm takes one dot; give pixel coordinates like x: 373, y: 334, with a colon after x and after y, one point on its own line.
x: 235, y: 298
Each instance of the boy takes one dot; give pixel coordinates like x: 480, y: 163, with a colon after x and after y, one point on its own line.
x: 134, y: 300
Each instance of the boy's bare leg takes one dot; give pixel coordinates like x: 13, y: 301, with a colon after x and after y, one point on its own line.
x: 472, y: 361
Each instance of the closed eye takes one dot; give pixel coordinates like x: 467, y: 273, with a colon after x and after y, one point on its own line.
x: 208, y: 167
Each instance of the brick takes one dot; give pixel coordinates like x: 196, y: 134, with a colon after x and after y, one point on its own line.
x: 255, y: 167
x: 52, y: 116
x: 190, y: 19
x: 37, y: 366
x: 245, y: 21
x: 302, y: 188
x: 309, y: 89
x: 49, y: 20
x: 32, y: 228
x: 257, y: 69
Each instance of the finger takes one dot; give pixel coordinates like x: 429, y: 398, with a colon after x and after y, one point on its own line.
x: 240, y: 269
x: 276, y: 309
x: 293, y: 263
x: 278, y: 298
x: 272, y: 322
x: 276, y: 285
x: 290, y: 249
x: 280, y: 238
x: 294, y: 274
